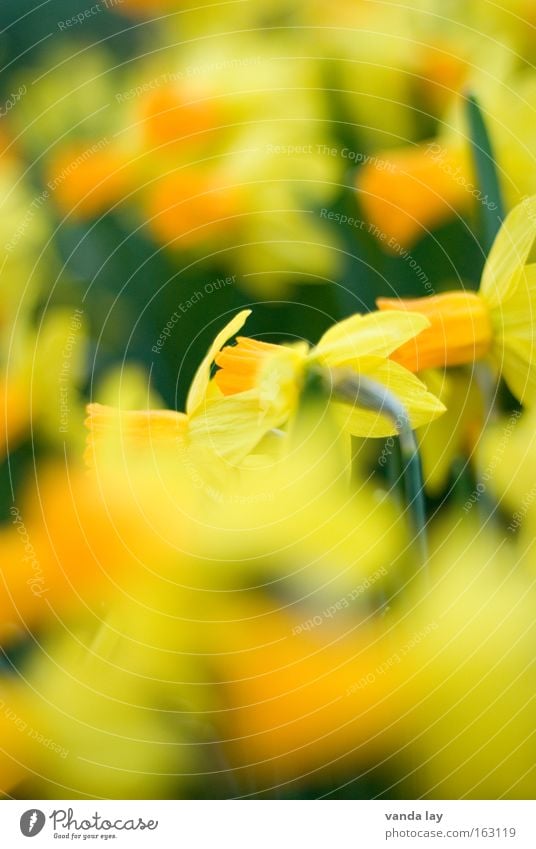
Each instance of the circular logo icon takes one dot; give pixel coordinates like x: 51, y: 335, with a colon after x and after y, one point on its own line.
x: 31, y: 822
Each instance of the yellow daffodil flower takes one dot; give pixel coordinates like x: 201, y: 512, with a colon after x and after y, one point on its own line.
x: 212, y: 427
x: 361, y: 344
x: 497, y: 321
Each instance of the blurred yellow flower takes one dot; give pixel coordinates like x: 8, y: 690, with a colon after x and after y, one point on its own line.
x: 413, y: 194
x: 87, y: 179
x: 302, y: 708
x: 222, y: 144
x: 425, y: 185
x: 72, y: 539
x: 16, y: 746
x: 110, y: 732
x: 39, y: 391
x: 41, y: 364
x: 467, y: 676
x: 178, y: 605
x: 498, y: 320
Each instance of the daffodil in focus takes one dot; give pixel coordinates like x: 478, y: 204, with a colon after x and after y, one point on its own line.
x: 360, y: 345
x: 212, y: 428
x: 495, y: 323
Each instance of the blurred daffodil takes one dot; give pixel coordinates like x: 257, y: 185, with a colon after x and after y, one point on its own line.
x: 300, y: 708
x: 93, y: 722
x: 220, y: 145
x: 425, y: 185
x: 41, y: 363
x: 418, y: 190
x: 259, y: 616
x: 466, y: 670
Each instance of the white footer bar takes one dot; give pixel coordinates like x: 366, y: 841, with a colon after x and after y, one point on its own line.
x: 269, y: 824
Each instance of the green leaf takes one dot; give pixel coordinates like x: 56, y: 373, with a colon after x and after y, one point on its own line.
x: 492, y: 212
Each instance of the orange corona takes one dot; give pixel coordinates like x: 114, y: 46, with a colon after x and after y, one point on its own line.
x: 460, y: 330
x: 240, y: 364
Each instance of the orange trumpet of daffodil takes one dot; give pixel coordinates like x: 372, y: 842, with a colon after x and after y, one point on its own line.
x: 496, y: 322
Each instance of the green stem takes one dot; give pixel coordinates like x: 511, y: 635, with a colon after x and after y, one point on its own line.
x: 368, y: 394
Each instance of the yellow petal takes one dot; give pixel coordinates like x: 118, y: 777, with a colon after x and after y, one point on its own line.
x: 231, y: 427
x: 519, y: 373
x: 202, y: 376
x: 421, y: 405
x: 136, y: 429
x: 460, y: 330
x: 514, y: 348
x: 509, y: 253
x: 375, y: 334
